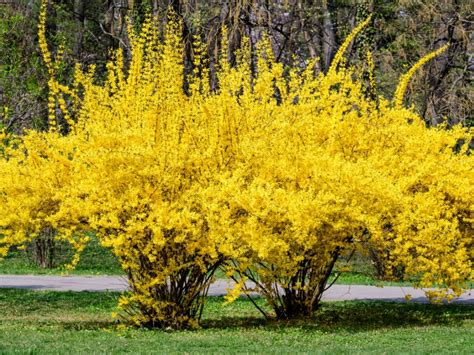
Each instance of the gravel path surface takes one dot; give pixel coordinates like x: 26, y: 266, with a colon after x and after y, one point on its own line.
x: 117, y: 283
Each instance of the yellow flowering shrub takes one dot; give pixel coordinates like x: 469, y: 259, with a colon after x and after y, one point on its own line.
x: 274, y: 175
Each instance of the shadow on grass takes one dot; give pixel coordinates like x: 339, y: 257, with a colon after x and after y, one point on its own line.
x: 87, y: 325
x: 355, y: 316
x: 92, y: 311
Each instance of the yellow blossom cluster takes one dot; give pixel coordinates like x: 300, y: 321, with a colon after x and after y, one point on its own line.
x: 273, y: 175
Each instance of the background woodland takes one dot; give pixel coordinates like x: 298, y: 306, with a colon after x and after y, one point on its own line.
x: 401, y: 32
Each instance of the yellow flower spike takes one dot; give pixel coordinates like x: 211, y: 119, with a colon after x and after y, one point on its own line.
x: 42, y: 38
x: 235, y: 292
x: 405, y: 79
x: 340, y: 52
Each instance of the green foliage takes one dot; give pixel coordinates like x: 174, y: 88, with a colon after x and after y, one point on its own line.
x: 22, y: 77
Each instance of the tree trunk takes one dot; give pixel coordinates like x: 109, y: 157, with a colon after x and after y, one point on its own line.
x: 44, y: 249
x: 328, y: 36
x: 79, y: 14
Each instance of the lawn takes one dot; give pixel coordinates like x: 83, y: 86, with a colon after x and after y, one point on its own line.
x: 66, y: 322
x: 95, y: 260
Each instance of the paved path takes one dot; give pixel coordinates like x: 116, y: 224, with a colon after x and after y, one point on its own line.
x: 117, y: 283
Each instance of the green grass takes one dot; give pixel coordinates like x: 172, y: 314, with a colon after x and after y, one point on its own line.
x: 66, y: 322
x: 95, y: 260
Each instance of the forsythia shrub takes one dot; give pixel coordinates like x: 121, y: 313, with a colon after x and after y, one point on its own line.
x: 273, y: 175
